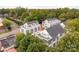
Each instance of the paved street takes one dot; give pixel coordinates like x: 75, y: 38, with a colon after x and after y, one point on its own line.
x: 9, y: 33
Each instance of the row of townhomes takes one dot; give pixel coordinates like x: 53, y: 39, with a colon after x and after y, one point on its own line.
x: 50, y: 30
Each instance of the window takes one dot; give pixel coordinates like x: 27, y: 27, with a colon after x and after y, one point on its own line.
x: 22, y: 30
x: 35, y: 29
x: 31, y: 30
x: 54, y: 45
x: 27, y: 31
x: 23, y: 26
x: 38, y: 28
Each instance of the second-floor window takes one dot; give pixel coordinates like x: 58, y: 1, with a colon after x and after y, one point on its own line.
x: 31, y: 30
x: 35, y: 29
x: 22, y: 30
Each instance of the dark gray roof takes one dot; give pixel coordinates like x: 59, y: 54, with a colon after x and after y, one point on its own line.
x: 8, y: 41
x: 1, y: 15
x: 54, y: 31
x: 32, y: 23
x: 50, y: 19
x: 54, y: 21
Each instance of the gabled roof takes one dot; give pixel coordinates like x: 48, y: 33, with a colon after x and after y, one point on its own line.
x: 33, y: 22
x: 9, y: 41
x: 44, y: 34
x: 55, y: 30
x: 30, y: 24
x: 54, y: 21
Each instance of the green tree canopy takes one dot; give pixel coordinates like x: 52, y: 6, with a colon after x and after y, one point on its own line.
x: 73, y: 24
x: 68, y: 43
x: 30, y: 43
x: 7, y: 23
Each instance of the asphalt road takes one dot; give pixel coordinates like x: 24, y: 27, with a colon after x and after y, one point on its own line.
x: 9, y: 33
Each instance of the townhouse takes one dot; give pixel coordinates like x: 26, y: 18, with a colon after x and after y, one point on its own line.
x: 30, y: 27
x: 50, y: 30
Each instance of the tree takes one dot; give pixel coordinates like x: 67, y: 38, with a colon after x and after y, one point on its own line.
x: 31, y: 43
x: 73, y: 24
x: 68, y: 43
x: 62, y: 16
x: 32, y: 48
x: 20, y: 11
x: 7, y: 23
x: 19, y: 37
x: 23, y: 45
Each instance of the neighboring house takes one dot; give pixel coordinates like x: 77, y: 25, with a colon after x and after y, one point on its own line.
x: 4, y: 15
x: 1, y: 25
x: 53, y: 29
x: 30, y: 27
x: 55, y: 32
x: 51, y: 35
x: 1, y: 15
x: 8, y: 42
x: 50, y: 22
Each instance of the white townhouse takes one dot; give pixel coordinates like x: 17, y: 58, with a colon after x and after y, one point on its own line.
x: 49, y: 31
x: 30, y: 27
